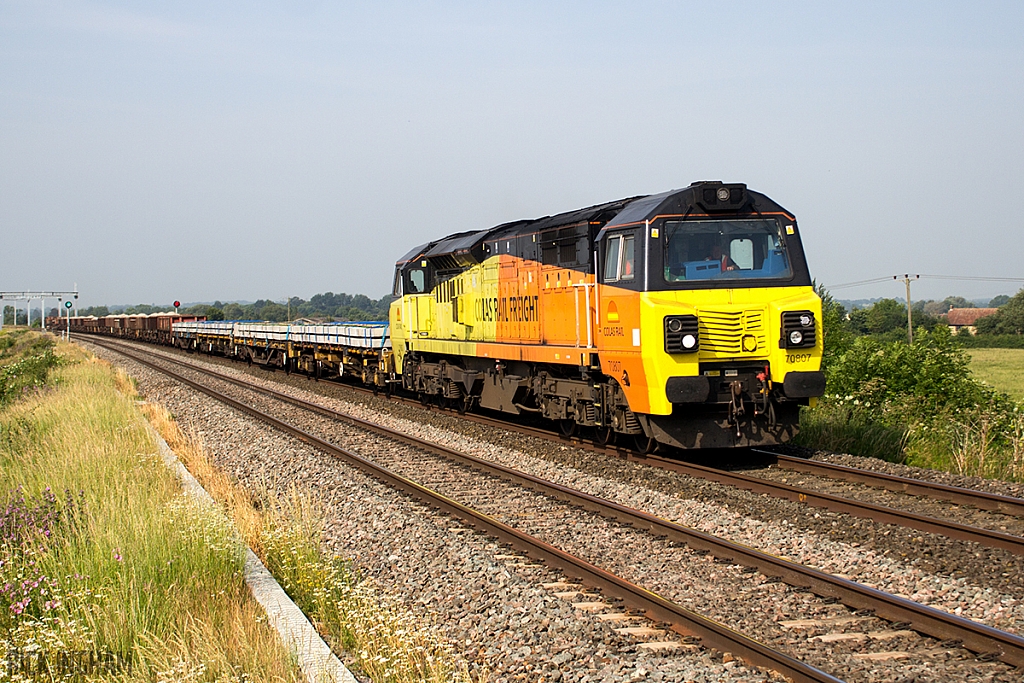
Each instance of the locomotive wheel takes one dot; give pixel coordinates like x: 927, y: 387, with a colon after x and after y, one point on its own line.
x: 463, y: 405
x: 568, y: 427
x: 646, y: 444
x: 603, y: 436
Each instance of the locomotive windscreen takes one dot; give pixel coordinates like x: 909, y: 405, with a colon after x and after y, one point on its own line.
x: 719, y: 249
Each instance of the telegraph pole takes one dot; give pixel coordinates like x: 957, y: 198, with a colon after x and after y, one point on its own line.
x: 910, y: 325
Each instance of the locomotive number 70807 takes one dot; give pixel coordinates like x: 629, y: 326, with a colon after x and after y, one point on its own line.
x: 797, y: 357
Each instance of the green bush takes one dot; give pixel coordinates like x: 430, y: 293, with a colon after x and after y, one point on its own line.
x: 918, y: 403
x: 25, y: 362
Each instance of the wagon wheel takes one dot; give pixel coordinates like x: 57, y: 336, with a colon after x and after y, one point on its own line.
x: 603, y: 436
x: 646, y: 444
x: 464, y: 405
x: 568, y: 427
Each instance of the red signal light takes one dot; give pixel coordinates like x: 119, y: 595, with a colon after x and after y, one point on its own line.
x: 177, y: 303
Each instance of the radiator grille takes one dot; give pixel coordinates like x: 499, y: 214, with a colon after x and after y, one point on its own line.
x: 722, y: 332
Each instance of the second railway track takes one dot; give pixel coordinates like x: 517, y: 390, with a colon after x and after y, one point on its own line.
x: 926, y: 620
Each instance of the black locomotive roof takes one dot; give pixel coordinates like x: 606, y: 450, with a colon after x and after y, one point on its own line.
x: 598, y: 212
x: 456, y: 243
x: 465, y: 243
x: 641, y: 209
x: 413, y: 254
x: 699, y: 198
x: 631, y: 210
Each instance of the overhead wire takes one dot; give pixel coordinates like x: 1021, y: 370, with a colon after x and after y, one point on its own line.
x: 930, y: 277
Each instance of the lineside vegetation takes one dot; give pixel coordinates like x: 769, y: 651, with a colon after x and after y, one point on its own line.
x: 381, y: 637
x: 916, y: 403
x: 107, y: 570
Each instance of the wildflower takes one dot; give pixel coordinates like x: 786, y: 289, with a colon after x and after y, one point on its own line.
x: 117, y: 554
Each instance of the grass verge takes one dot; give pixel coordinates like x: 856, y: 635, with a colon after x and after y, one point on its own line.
x: 383, y: 639
x: 107, y: 569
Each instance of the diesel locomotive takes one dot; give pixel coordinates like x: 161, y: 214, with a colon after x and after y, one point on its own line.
x: 686, y: 318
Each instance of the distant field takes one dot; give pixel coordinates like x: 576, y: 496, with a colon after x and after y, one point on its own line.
x: 1003, y: 369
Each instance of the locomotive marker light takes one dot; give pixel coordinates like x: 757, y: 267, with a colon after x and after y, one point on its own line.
x: 797, y: 329
x: 681, y: 334
x: 723, y: 194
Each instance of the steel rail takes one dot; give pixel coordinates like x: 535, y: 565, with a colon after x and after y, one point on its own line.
x: 682, y: 620
x: 872, y: 511
x: 984, y: 500
x: 976, y: 637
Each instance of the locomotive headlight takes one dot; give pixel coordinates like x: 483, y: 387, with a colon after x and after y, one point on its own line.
x: 681, y: 333
x: 723, y: 194
x: 797, y: 329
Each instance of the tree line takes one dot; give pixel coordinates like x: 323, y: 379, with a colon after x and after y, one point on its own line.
x: 326, y: 307
x: 888, y: 317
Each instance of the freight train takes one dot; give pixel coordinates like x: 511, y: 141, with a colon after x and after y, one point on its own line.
x: 684, y: 319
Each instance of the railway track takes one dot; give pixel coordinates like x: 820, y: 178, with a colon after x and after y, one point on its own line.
x: 989, y: 642
x: 981, y: 500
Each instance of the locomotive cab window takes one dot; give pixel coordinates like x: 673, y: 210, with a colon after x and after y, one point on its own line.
x: 416, y: 281
x: 724, y: 249
x: 619, y: 258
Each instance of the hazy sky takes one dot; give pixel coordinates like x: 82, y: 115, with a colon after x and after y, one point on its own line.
x: 198, y: 151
